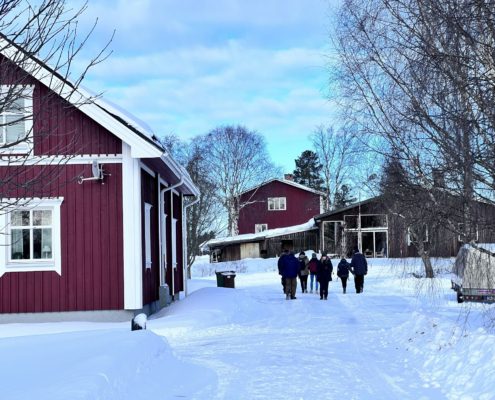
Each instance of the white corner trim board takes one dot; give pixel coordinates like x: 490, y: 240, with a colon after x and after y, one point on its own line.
x: 131, y: 208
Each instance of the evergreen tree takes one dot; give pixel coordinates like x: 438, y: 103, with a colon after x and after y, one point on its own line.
x: 308, y: 170
x: 343, y: 197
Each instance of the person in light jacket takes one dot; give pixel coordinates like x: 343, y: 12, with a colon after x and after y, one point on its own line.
x: 313, y: 270
x: 303, y: 271
x: 359, y: 268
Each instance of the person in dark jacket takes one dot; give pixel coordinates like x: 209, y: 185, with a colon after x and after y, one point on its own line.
x: 359, y: 268
x: 290, y: 270
x: 343, y: 272
x: 279, y: 265
x: 303, y: 271
x: 313, y: 269
x: 324, y: 275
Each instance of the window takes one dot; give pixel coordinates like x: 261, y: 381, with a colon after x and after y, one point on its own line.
x: 260, y: 228
x: 174, y: 242
x: 147, y: 234
x: 276, y: 203
x: 465, y: 236
x: 31, y: 234
x: 32, y: 240
x: 16, y: 122
x: 412, y: 237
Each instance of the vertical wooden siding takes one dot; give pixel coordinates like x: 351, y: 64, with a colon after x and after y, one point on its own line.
x: 92, y: 246
x: 301, y: 206
x: 151, y: 276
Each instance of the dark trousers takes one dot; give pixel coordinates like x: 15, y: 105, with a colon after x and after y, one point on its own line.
x: 283, y: 284
x: 343, y: 279
x: 359, y: 283
x: 304, y: 283
x: 323, y: 289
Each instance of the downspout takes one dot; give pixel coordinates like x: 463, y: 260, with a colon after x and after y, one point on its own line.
x: 162, y: 194
x: 184, y: 249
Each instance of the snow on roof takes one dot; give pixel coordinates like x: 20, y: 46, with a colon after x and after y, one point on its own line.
x: 117, y: 110
x: 269, y: 233
x: 338, y: 210
x: 292, y: 183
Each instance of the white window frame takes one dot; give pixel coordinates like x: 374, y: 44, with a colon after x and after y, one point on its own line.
x: 53, y: 264
x: 260, y: 228
x: 277, y: 203
x: 26, y: 146
x: 410, y: 242
x: 164, y: 250
x: 147, y: 235
x: 460, y: 227
x: 174, y: 243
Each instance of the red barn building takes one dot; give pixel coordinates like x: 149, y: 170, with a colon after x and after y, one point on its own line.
x: 278, y: 203
x: 91, y: 208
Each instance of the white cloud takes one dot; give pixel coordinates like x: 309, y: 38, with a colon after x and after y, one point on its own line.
x: 186, y: 67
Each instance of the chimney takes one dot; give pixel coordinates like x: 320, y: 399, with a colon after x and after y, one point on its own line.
x: 289, y: 177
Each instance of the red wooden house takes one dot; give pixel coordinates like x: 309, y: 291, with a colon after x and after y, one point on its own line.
x: 78, y: 248
x: 278, y: 203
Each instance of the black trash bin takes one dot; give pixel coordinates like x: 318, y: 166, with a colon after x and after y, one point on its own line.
x: 220, y: 279
x: 229, y: 279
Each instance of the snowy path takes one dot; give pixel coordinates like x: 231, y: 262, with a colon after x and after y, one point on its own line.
x: 305, y: 348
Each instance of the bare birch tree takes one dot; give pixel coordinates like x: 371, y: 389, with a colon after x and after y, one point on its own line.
x: 203, y: 222
x: 339, y: 153
x: 419, y: 76
x: 237, y: 159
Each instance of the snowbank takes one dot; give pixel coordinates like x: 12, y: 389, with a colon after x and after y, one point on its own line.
x: 107, y: 364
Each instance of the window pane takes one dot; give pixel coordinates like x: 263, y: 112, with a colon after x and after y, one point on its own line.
x: 373, y: 221
x: 15, y: 128
x: 20, y: 218
x: 42, y: 243
x: 20, y: 244
x: 42, y: 217
x: 18, y: 104
x: 350, y: 221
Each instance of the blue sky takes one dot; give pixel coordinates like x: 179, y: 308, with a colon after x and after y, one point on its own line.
x: 187, y: 66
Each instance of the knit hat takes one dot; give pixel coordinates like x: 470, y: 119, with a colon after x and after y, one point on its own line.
x: 313, y: 255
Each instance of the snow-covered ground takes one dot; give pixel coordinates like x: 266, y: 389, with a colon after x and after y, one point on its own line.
x: 403, y: 338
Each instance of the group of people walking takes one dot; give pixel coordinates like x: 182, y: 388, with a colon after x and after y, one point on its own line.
x: 320, y: 272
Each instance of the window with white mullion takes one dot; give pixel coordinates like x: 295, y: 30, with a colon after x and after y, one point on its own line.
x: 16, y: 118
x: 31, y: 235
x: 277, y: 203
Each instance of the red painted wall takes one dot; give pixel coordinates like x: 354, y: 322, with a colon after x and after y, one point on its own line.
x: 301, y: 206
x: 172, y: 207
x: 59, y: 128
x: 151, y: 276
x: 92, y: 246
x: 91, y: 213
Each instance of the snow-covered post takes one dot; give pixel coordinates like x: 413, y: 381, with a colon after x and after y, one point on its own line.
x: 139, y: 322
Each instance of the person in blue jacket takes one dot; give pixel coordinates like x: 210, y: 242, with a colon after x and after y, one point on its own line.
x: 290, y: 269
x: 324, y: 275
x: 343, y: 272
x: 359, y: 268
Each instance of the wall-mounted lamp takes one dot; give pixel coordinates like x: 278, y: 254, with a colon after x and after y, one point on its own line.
x: 98, y: 174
